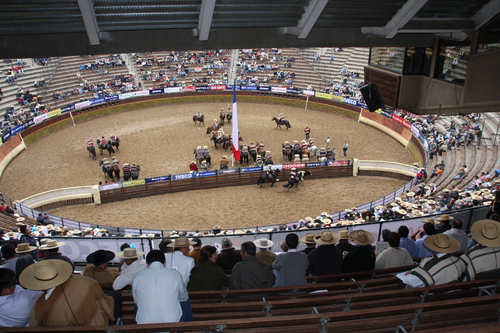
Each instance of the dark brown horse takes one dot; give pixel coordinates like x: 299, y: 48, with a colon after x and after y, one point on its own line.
x: 282, y: 122
x: 91, y: 150
x: 199, y: 119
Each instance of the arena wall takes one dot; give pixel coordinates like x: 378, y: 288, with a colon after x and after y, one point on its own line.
x: 9, y: 150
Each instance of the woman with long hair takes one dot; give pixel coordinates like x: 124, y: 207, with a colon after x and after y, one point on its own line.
x: 207, y: 275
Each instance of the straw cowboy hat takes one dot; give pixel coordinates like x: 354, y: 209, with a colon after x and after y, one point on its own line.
x: 327, y: 238
x: 344, y: 234
x: 45, y: 274
x: 129, y: 253
x: 445, y: 217
x: 486, y: 232
x: 51, y: 244
x: 402, y: 212
x: 11, y: 234
x: 429, y: 220
x: 308, y: 238
x: 20, y: 219
x: 326, y: 221
x: 25, y: 247
x: 410, y: 194
x: 263, y: 243
x: 361, y: 237
x: 431, y: 202
x: 181, y: 242
x: 100, y: 257
x: 442, y: 243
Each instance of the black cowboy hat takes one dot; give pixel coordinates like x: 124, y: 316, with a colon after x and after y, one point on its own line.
x: 100, y: 257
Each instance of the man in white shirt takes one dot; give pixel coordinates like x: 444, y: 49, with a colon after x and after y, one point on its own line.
x: 15, y: 301
x: 457, y: 233
x: 158, y: 291
x: 134, y: 265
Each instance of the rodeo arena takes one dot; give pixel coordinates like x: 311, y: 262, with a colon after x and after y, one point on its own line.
x: 318, y: 186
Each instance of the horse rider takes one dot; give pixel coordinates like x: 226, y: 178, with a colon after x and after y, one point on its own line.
x: 334, y: 153
x: 114, y: 161
x: 252, y: 147
x: 244, y: 153
x: 294, y: 175
x: 287, y: 145
x: 224, y: 162
x: 258, y: 160
x: 134, y: 171
x: 268, y: 158
x: 271, y: 174
x: 311, y: 142
x: 113, y: 138
x: 206, y: 150
x: 199, y: 153
x: 329, y: 154
x: 104, y: 142
x: 203, y: 166
x: 280, y: 118
x: 90, y: 143
x: 304, y: 145
x: 126, y: 171
x: 105, y: 163
x: 222, y: 115
x: 215, y: 125
x: 198, y: 113
x: 322, y: 153
x: 220, y: 133
x: 307, y: 131
x: 262, y: 145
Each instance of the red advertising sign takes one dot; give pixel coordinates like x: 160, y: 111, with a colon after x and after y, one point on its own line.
x: 294, y: 165
x: 338, y: 163
x: 191, y: 88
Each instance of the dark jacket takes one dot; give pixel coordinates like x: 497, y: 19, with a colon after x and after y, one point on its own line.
x: 361, y: 259
x: 207, y: 276
x: 325, y: 260
x: 227, y: 258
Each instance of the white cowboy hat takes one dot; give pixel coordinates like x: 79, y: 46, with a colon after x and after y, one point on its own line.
x: 129, y: 253
x: 51, y: 244
x: 327, y: 238
x: 308, y: 238
x: 445, y: 217
x: 442, y: 243
x: 486, y: 232
x: 361, y: 237
x: 45, y: 274
x: 263, y: 243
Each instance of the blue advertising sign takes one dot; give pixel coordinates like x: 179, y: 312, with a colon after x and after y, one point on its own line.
x: 112, y: 98
x: 264, y: 88
x: 68, y: 108
x: 351, y: 101
x: 16, y: 129
x: 248, y: 87
x: 252, y: 169
x: 157, y: 179
x: 202, y: 88
x: 183, y: 176
x: 386, y: 114
x: 96, y: 101
x: 156, y: 91
x: 227, y: 171
x: 315, y: 164
x: 6, y: 137
x: 206, y: 174
x: 293, y: 91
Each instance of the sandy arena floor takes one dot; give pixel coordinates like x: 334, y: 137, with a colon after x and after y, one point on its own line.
x: 162, y: 139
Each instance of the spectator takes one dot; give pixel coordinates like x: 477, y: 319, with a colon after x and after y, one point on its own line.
x: 158, y: 291
x: 326, y: 258
x: 195, y: 253
x: 308, y: 240
x: 362, y: 258
x: 178, y: 259
x: 393, y: 256
x: 457, y: 233
x: 207, y: 275
x: 97, y: 267
x: 344, y: 246
x: 384, y: 244
x: 428, y: 230
x: 229, y: 256
x: 27, y: 238
x: 134, y: 265
x: 264, y: 254
x: 251, y: 272
x: 15, y: 301
x: 407, y: 243
x: 444, y: 223
x: 51, y: 251
x: 74, y: 301
x: 291, y: 266
x: 17, y: 263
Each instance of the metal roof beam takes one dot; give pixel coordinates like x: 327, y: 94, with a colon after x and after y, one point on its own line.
x: 398, y: 21
x: 205, y: 20
x: 90, y: 21
x: 485, y: 14
x: 308, y: 19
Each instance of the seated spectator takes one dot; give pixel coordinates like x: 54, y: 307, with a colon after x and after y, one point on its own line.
x: 384, y: 244
x: 308, y: 240
x: 442, y: 268
x: 251, y: 272
x: 407, y: 243
x: 326, y: 258
x: 134, y: 265
x: 393, y: 256
x: 15, y: 301
x: 207, y: 275
x: 228, y: 256
x: 72, y: 301
x: 97, y: 267
x: 444, y: 223
x: 195, y: 253
x: 483, y: 260
x: 263, y: 252
x: 362, y: 258
x: 344, y: 246
x: 457, y: 233
x: 17, y: 263
x: 50, y: 250
x: 158, y: 291
x: 291, y: 266
x: 428, y: 230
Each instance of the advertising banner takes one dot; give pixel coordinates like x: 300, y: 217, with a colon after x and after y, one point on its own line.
x: 338, y: 163
x: 111, y: 186
x: 218, y: 87
x: 293, y: 91
x: 157, y: 179
x: 134, y: 94
x: 156, y: 91
x: 190, y: 88
x: 294, y: 165
x: 53, y: 113
x: 206, y: 174
x: 338, y: 98
x: 5, y: 137
x: 278, y: 89
x: 351, y: 101
x: 112, y: 98
x: 227, y: 171
x: 248, y: 87
x: 183, y: 176
x: 200, y: 88
x: 16, y: 129
x: 40, y: 118
x: 308, y: 92
x: 134, y: 182
x: 172, y: 90
x: 252, y: 169
x: 315, y: 164
x: 82, y: 104
x: 68, y: 108
x: 323, y: 95
x: 97, y: 101
x: 264, y: 88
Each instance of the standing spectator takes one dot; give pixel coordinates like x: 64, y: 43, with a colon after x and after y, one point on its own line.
x: 158, y: 291
x: 326, y: 258
x: 134, y: 265
x: 229, y: 256
x: 251, y: 272
x: 393, y: 256
x: 207, y: 275
x: 264, y: 254
x: 291, y: 265
x: 195, y: 253
x: 344, y: 148
x: 362, y: 258
x: 307, y: 131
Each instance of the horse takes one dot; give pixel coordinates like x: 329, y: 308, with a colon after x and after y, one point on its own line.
x: 265, y: 178
x: 227, y: 142
x: 287, y: 153
x: 212, y: 128
x: 229, y: 117
x: 207, y: 158
x: 116, y: 171
x: 217, y: 141
x: 200, y: 119
x: 244, y: 156
x: 222, y: 116
x: 106, y: 169
x: 107, y: 147
x: 115, y: 143
x: 91, y: 150
x: 300, y: 177
x: 282, y: 122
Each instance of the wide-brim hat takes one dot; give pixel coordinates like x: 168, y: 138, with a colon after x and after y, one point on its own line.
x: 402, y: 212
x: 263, y: 243
x: 410, y: 194
x: 442, y: 243
x: 11, y: 234
x: 181, y: 242
x: 344, y: 234
x: 308, y: 238
x: 51, y: 244
x: 45, y: 274
x: 431, y: 202
x: 20, y: 219
x: 486, y: 232
x: 326, y: 238
x: 129, y: 253
x: 25, y: 247
x: 100, y: 257
x: 326, y: 221
x: 445, y: 217
x: 361, y: 237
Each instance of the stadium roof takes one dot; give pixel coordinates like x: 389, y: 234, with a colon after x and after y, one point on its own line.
x: 40, y: 28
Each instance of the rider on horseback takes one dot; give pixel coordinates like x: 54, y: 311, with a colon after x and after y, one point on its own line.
x: 224, y: 162
x: 296, y: 145
x: 271, y: 174
x: 287, y: 145
x: 104, y: 142
x: 126, y: 171
x: 220, y: 133
x: 134, y: 171
x: 294, y: 174
x: 90, y: 142
x: 114, y: 161
x: 280, y: 118
x: 215, y: 124
x: 198, y: 113
x: 262, y: 145
x: 304, y: 145
x: 203, y: 166
x: 311, y: 142
x: 252, y: 147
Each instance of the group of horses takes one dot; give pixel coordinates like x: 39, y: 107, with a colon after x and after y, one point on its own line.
x: 289, y: 152
x: 272, y: 177
x: 102, y: 147
x: 199, y: 119
x: 112, y: 171
x: 225, y: 141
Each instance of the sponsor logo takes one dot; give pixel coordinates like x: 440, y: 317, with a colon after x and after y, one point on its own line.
x: 338, y: 163
x: 227, y: 171
x: 308, y: 92
x: 248, y: 87
x: 183, y: 176
x: 217, y: 87
x: 110, y: 186
x: 172, y: 90
x: 156, y: 91
x: 294, y: 165
x: 278, y: 89
x: 96, y: 101
x: 157, y: 179
x: 350, y: 101
x: 134, y: 182
x: 323, y: 95
x: 315, y: 164
x: 264, y: 88
x: 191, y: 88
x: 253, y: 169
x: 68, y: 108
x: 202, y: 87
x: 206, y: 174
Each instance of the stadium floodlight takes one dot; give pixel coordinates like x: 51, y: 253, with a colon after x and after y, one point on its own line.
x: 90, y: 21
